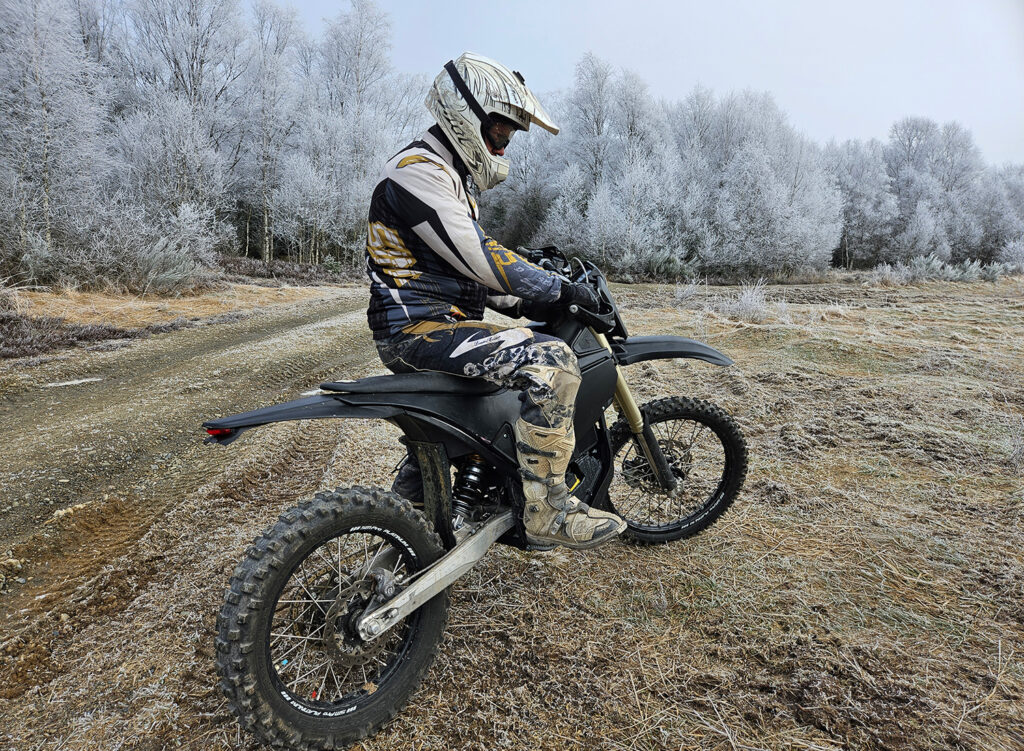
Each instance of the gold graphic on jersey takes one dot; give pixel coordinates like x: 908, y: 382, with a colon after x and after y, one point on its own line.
x: 502, y: 257
x: 417, y: 159
x: 389, y: 252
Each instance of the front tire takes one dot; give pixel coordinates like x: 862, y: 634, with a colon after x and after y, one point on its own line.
x: 291, y: 664
x: 708, y: 456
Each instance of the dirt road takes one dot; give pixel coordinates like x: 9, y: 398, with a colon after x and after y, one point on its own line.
x: 864, y: 592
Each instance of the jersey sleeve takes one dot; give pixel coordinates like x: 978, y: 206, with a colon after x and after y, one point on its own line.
x: 424, y: 192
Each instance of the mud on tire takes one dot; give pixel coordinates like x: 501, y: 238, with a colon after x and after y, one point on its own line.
x: 291, y: 665
x: 707, y: 454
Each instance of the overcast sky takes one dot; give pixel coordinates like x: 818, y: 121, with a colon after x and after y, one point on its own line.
x: 838, y: 69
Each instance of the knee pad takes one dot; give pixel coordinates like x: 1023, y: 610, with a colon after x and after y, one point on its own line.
x: 552, y: 378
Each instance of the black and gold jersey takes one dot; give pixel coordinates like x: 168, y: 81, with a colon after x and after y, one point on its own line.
x: 426, y: 256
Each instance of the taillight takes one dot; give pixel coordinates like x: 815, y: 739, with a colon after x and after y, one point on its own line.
x: 220, y: 432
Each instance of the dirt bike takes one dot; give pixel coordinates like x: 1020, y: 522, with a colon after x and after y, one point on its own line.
x: 335, y: 613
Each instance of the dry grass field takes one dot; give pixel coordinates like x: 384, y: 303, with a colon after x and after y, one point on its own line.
x: 866, y: 591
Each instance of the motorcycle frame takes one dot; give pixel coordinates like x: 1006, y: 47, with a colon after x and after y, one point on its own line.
x: 439, y: 429
x: 430, y: 410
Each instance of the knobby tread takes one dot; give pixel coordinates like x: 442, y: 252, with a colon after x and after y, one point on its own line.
x: 250, y: 589
x: 728, y: 432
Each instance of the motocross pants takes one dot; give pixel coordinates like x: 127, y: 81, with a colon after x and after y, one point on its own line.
x: 541, y: 367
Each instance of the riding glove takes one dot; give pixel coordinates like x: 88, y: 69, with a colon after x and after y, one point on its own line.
x: 582, y: 295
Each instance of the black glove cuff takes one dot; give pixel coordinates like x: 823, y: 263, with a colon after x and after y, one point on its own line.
x: 568, y: 294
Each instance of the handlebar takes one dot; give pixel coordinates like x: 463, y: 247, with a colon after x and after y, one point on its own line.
x: 550, y: 258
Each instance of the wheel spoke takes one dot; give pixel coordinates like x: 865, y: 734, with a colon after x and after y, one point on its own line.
x: 296, y: 636
x: 309, y: 672
x: 337, y: 683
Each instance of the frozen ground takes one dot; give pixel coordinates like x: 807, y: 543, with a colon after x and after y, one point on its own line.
x: 866, y: 590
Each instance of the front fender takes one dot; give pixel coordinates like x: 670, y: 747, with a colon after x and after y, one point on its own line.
x: 640, y: 348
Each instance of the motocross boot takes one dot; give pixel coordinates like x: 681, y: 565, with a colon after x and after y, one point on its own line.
x: 551, y: 515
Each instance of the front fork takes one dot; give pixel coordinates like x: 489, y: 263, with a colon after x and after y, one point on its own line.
x: 643, y: 435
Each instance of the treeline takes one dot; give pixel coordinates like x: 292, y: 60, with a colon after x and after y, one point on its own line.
x: 725, y: 186
x: 143, y: 137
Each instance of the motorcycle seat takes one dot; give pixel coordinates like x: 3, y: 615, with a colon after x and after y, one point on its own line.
x: 420, y: 383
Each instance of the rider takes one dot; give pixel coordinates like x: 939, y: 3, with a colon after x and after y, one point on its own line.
x: 433, y: 270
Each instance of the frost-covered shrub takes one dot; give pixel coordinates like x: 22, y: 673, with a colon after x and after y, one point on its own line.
x: 686, y: 294
x: 926, y: 268
x: 992, y: 272
x: 164, y: 266
x: 664, y: 265
x: 930, y: 268
x: 119, y: 247
x: 782, y: 312
x: 1012, y: 255
x: 889, y: 275
x: 37, y: 260
x: 968, y: 271
x: 750, y: 305
x: 8, y: 301
x: 195, y: 232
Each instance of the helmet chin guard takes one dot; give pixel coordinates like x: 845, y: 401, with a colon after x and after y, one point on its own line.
x: 463, y: 99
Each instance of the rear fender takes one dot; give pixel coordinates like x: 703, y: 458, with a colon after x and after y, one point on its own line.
x: 639, y: 348
x: 310, y: 408
x: 485, y: 428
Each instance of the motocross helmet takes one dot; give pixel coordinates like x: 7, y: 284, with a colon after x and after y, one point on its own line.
x: 465, y: 98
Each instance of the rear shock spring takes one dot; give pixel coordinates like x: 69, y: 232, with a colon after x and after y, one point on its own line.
x: 469, y: 488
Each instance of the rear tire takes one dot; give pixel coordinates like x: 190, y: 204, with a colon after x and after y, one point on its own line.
x: 708, y: 456
x: 291, y: 665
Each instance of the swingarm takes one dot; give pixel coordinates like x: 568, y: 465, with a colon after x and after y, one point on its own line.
x: 473, y: 544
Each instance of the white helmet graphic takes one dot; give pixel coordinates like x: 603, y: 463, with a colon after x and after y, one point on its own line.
x: 463, y: 99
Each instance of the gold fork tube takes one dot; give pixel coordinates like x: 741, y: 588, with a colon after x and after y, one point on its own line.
x: 646, y: 440
x: 624, y: 400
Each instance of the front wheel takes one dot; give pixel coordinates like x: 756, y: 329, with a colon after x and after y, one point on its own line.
x: 291, y: 662
x: 707, y: 455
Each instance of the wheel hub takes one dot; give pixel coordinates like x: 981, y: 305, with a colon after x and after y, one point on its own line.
x: 637, y: 473
x: 341, y: 637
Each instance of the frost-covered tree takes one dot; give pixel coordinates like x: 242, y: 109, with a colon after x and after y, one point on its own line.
x: 189, y: 57
x: 750, y: 213
x: 751, y: 195
x: 911, y: 155
x: 96, y: 20
x: 589, y: 114
x: 52, y: 156
x: 565, y: 223
x: 303, y: 199
x: 869, y: 208
x: 270, y: 112
x: 938, y: 178
x: 353, y: 111
x: 1000, y: 212
x: 518, y: 207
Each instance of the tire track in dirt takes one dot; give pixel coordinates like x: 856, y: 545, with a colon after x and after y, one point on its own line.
x: 123, y: 569
x: 152, y: 458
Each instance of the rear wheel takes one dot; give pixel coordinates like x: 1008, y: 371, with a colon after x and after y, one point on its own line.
x: 707, y: 455
x: 293, y: 666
